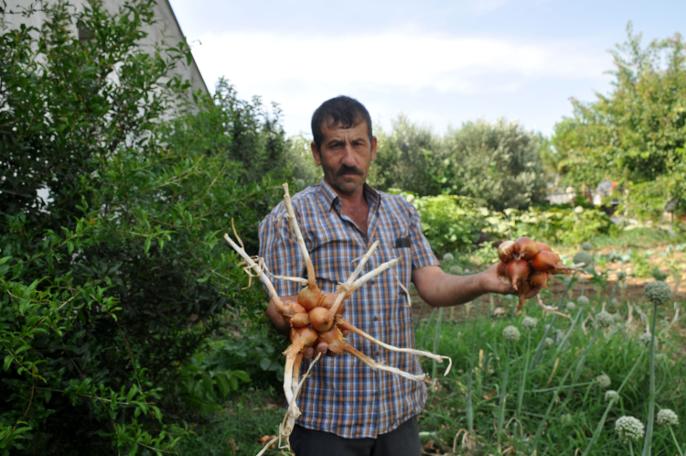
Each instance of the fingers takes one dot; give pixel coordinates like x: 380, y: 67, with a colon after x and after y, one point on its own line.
x: 496, y: 283
x: 310, y: 352
x: 503, y: 285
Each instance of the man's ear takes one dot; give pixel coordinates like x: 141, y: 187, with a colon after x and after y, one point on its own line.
x: 315, y: 153
x: 373, y: 145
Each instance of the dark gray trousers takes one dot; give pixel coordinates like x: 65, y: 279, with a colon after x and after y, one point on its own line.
x: 402, y: 441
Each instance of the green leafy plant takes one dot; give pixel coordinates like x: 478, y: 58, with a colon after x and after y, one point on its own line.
x: 450, y: 222
x: 634, y: 134
x: 497, y: 162
x: 117, y: 183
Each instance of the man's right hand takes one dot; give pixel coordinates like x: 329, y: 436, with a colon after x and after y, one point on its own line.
x: 278, y: 320
x: 310, y: 352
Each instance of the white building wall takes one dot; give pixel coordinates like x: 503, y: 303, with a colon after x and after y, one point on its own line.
x: 165, y: 30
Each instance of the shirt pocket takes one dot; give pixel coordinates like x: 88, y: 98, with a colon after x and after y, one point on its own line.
x: 391, y: 296
x: 397, y: 243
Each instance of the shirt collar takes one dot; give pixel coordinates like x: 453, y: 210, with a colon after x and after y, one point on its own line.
x: 330, y: 197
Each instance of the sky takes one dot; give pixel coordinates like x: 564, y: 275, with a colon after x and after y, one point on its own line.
x: 440, y: 63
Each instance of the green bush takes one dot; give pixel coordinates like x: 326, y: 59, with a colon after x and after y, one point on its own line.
x: 305, y: 170
x: 560, y: 224
x: 646, y: 200
x: 410, y: 157
x: 450, y: 222
x: 244, y: 351
x: 499, y: 163
x: 115, y: 281
x: 634, y: 133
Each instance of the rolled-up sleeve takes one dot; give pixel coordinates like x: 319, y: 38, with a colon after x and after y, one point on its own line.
x: 280, y: 251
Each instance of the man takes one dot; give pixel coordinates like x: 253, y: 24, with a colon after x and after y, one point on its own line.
x: 348, y: 408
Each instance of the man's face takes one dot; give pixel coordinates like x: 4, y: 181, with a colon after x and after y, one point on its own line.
x: 345, y: 155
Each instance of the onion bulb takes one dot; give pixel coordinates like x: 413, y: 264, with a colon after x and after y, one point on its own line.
x: 300, y: 320
x: 527, y: 264
x: 545, y: 261
x: 538, y: 279
x: 506, y: 251
x: 518, y: 272
x: 321, y: 319
x: 310, y: 297
x: 528, y: 248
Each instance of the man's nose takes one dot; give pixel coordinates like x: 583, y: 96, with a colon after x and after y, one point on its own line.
x: 349, y: 157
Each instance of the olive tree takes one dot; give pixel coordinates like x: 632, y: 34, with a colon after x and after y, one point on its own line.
x: 497, y: 162
x: 408, y: 158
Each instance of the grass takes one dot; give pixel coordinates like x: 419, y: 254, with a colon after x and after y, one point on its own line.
x: 236, y: 429
x: 563, y: 408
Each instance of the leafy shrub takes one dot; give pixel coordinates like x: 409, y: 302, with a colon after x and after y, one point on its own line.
x: 635, y: 132
x: 305, y: 170
x: 561, y: 225
x: 640, y: 265
x: 450, y: 222
x: 498, y: 163
x: 245, y: 350
x: 646, y: 200
x: 410, y: 157
x: 116, y: 277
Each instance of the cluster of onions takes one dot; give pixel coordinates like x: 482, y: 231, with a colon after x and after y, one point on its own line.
x: 528, y: 264
x: 310, y: 317
x: 315, y: 316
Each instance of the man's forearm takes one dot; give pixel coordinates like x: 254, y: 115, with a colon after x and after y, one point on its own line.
x: 440, y: 289
x: 452, y: 290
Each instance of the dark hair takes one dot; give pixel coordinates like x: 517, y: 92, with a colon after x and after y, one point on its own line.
x: 344, y: 111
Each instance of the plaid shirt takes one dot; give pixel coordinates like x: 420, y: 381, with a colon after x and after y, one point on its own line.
x: 342, y: 395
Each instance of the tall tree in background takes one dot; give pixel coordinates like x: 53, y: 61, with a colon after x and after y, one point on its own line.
x: 409, y: 158
x: 636, y: 133
x: 499, y: 163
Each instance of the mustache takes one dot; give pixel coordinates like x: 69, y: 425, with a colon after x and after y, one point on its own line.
x: 343, y: 170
